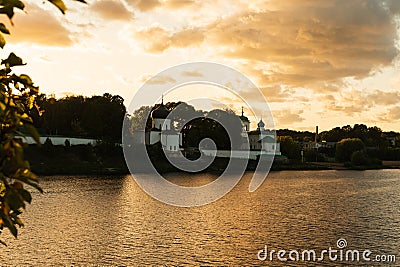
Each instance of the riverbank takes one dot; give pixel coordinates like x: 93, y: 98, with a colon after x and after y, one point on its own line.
x: 344, y: 166
x: 109, y: 160
x: 76, y: 160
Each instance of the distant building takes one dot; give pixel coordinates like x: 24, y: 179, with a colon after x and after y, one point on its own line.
x: 392, y: 140
x: 161, y: 130
x: 314, y: 145
x: 261, y: 140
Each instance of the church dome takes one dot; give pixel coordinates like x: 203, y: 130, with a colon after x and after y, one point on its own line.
x: 160, y: 112
x: 261, y: 124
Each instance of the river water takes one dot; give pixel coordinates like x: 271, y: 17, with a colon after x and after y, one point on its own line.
x: 110, y: 221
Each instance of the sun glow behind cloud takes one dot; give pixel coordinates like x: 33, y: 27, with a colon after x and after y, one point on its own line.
x: 317, y: 62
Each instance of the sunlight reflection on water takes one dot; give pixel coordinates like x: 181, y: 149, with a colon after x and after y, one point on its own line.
x: 109, y: 221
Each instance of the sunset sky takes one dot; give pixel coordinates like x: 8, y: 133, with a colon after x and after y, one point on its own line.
x: 326, y: 63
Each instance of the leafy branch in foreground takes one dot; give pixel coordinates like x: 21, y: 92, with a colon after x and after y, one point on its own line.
x: 17, y: 98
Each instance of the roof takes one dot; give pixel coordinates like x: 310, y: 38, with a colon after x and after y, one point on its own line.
x: 169, y: 132
x: 160, y: 112
x: 153, y: 130
x: 244, y: 118
x: 267, y: 139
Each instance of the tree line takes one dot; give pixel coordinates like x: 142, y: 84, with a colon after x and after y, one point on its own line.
x: 101, y: 117
x: 97, y: 117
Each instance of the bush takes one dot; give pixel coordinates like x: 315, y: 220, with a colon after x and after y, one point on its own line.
x: 346, y: 147
x: 359, y: 158
x: 289, y: 147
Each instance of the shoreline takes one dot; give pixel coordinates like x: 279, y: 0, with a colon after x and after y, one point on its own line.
x: 84, y: 169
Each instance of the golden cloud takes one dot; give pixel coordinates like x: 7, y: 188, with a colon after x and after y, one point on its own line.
x: 193, y: 73
x: 354, y: 101
x: 154, y: 39
x: 159, y: 79
x: 311, y: 43
x: 143, y: 5
x: 391, y: 115
x: 111, y: 10
x: 157, y: 39
x: 380, y: 97
x: 287, y: 117
x: 148, y: 5
x: 306, y: 41
x: 40, y: 27
x: 178, y: 4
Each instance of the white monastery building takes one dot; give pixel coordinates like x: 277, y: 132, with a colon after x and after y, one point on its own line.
x: 161, y: 130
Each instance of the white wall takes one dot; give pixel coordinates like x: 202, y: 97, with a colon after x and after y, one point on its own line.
x: 164, y: 123
x: 170, y: 141
x: 152, y: 137
x: 60, y: 140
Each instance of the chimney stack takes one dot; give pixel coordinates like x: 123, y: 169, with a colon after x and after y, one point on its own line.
x: 316, y: 134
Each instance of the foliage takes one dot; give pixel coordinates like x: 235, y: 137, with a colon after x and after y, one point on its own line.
x: 346, y: 147
x: 209, y: 126
x: 359, y: 158
x: 204, y: 125
x: 98, y: 117
x: 17, y: 98
x: 389, y: 153
x: 289, y: 147
x: 298, y: 136
x: 371, y: 136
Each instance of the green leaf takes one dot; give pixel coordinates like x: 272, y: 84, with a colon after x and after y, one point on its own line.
x: 13, y: 60
x: 33, y: 184
x: 2, y: 41
x: 14, y: 3
x: 14, y: 201
x: 25, y: 79
x: 59, y: 4
x: 7, y: 10
x: 4, y: 29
